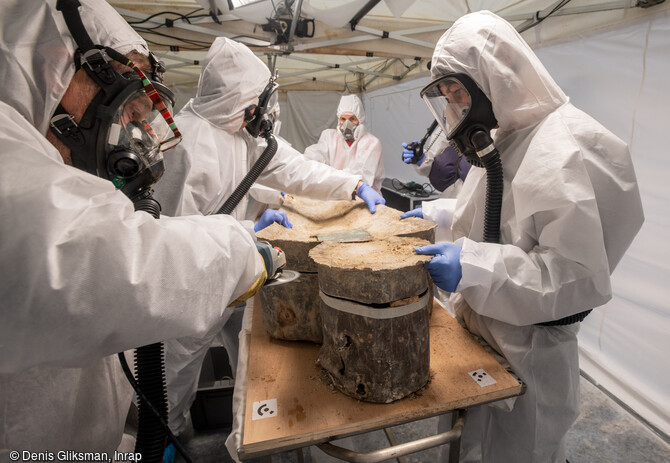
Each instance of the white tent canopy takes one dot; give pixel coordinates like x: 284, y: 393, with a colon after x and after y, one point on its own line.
x: 348, y: 45
x: 610, y: 57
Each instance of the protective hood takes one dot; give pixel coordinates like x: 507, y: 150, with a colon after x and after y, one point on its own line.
x: 351, y: 104
x: 232, y: 79
x: 37, y: 52
x: 490, y: 51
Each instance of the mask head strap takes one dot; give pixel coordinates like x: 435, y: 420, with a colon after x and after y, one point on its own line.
x: 155, y: 99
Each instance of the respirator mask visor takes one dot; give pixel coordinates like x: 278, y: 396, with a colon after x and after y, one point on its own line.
x: 137, y: 124
x: 461, y: 109
x: 449, y: 102
x: 261, y: 122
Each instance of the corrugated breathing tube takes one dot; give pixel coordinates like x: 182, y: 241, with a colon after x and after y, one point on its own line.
x: 489, y: 157
x: 253, y: 174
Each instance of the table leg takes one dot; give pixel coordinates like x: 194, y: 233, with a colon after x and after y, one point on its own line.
x: 455, y: 445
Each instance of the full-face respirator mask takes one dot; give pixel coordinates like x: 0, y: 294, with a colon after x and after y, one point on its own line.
x: 128, y: 124
x: 466, y: 116
x: 463, y: 111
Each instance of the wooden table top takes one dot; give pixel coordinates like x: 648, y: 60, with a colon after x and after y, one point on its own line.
x: 307, y: 410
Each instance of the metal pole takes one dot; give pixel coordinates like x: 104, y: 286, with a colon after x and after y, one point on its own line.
x: 294, y: 23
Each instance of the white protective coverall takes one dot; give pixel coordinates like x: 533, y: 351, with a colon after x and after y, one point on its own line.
x: 84, y: 276
x: 363, y: 157
x: 571, y: 207
x: 203, y: 171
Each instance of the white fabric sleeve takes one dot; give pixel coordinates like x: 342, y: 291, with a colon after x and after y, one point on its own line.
x: 426, y: 165
x: 84, y: 276
x: 290, y: 172
x: 266, y: 195
x: 440, y: 211
x: 248, y: 225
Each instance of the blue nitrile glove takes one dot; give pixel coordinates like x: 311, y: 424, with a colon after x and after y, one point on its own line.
x: 271, y: 216
x: 445, y: 267
x: 170, y: 453
x: 370, y: 196
x: 413, y: 213
x: 408, y: 154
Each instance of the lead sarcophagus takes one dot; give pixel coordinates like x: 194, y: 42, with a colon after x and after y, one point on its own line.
x: 376, y: 300
x: 290, y: 310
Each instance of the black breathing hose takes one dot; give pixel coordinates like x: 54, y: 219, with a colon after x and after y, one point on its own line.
x: 157, y: 414
x: 253, y: 174
x: 489, y: 158
x: 150, y: 378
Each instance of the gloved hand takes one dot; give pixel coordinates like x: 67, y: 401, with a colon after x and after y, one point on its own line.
x: 413, y: 213
x: 445, y: 267
x: 408, y: 154
x: 170, y: 454
x: 271, y: 216
x: 370, y: 196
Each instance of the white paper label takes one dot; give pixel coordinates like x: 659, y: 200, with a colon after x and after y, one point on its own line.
x: 482, y: 378
x: 264, y: 409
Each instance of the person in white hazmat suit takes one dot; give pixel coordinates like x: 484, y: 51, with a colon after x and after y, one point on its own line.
x: 350, y: 147
x: 84, y: 275
x: 570, y: 209
x: 202, y: 172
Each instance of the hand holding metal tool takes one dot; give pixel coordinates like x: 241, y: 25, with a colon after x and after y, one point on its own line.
x: 413, y: 153
x: 273, y: 258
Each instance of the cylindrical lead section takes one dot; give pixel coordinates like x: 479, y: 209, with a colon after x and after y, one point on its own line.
x: 376, y: 354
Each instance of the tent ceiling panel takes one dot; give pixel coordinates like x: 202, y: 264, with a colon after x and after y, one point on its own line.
x: 392, y: 41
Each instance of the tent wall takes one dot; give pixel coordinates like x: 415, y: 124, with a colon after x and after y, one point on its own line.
x: 304, y: 115
x: 620, y: 77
